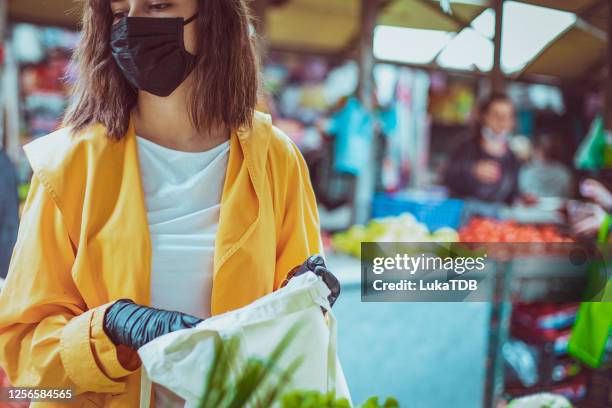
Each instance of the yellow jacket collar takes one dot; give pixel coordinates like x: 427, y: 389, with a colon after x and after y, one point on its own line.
x: 69, y: 163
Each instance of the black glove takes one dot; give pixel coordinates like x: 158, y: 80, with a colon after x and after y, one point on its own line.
x: 316, y: 264
x: 132, y: 325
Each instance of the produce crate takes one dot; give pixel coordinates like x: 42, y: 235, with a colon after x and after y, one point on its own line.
x: 599, y: 394
x: 433, y: 213
x: 574, y: 389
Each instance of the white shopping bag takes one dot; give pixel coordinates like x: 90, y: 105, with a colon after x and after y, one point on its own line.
x: 181, y: 361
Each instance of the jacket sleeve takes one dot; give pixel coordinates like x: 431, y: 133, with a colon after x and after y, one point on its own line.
x: 48, y: 337
x: 299, y: 234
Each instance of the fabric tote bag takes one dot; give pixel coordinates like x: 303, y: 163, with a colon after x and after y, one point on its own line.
x: 181, y: 361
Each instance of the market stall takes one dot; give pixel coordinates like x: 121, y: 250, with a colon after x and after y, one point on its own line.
x: 387, y: 185
x: 345, y: 33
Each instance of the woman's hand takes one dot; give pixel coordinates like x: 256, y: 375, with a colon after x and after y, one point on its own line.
x: 132, y: 325
x: 487, y: 171
x: 594, y: 190
x: 589, y: 224
x: 316, y: 264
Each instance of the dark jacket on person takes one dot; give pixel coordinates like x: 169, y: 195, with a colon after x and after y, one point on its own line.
x: 462, y: 181
x: 9, y: 211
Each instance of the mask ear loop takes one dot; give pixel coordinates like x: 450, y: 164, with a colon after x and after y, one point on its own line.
x: 191, y: 19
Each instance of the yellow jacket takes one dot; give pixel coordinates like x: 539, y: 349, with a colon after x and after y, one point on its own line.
x: 84, y: 242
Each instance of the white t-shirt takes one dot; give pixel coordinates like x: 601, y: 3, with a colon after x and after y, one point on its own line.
x: 183, y: 195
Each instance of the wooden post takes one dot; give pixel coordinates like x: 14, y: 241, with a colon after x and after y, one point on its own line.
x: 3, y: 18
x: 497, y: 76
x: 259, y: 12
x: 369, y: 11
x: 608, y: 86
x: 365, y: 183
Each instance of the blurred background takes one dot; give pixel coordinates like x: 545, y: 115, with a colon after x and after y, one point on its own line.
x: 379, y: 95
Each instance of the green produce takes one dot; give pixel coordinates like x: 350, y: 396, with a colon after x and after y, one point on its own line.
x: 23, y: 190
x: 315, y: 399
x: 312, y: 399
x: 373, y: 403
x: 260, y: 383
x: 403, y: 228
x: 543, y: 400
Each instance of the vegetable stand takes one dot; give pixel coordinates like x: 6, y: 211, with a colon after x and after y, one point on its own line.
x: 520, y: 280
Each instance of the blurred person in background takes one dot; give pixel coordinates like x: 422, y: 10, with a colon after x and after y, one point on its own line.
x: 591, y: 333
x: 546, y: 175
x: 9, y: 211
x: 484, y: 167
x: 163, y: 177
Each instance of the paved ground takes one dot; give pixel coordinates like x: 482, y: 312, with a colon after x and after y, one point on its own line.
x: 427, y: 355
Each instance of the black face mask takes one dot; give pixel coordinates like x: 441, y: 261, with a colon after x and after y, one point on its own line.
x: 151, y: 52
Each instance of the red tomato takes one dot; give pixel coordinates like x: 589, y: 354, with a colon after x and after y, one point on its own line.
x: 489, y: 230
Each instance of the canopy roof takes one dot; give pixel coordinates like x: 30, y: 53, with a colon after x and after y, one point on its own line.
x: 332, y: 26
x: 585, y: 42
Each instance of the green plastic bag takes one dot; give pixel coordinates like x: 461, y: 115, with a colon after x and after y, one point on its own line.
x: 593, y: 324
x: 594, y: 152
x: 590, y: 333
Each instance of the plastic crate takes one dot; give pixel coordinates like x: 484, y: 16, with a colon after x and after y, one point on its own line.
x: 433, y: 213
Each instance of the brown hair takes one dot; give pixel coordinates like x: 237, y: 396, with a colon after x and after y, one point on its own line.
x: 485, y: 104
x: 483, y: 108
x: 226, y: 78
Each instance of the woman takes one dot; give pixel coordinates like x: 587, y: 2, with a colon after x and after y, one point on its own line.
x: 164, y: 189
x: 484, y: 167
x: 591, y: 335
